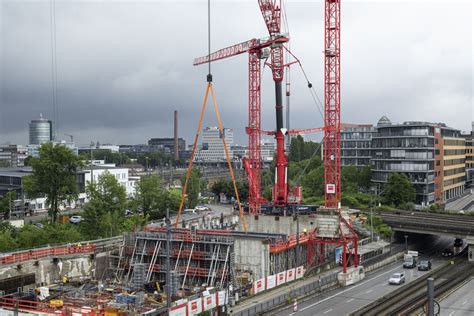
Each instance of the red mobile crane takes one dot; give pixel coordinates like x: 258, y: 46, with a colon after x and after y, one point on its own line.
x: 273, y: 47
x: 261, y: 49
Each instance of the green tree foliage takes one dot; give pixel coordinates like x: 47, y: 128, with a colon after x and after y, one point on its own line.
x: 301, y: 150
x: 54, y: 176
x: 104, y: 213
x: 7, y: 203
x: 399, y: 190
x: 227, y: 188
x: 313, y: 182
x: 150, y: 197
x: 7, y: 242
x: 30, y: 236
x: 135, y: 222
x: 194, y: 187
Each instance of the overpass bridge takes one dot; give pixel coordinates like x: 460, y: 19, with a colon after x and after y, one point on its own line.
x: 456, y: 226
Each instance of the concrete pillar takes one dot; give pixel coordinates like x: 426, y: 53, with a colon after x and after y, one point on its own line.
x: 470, y: 250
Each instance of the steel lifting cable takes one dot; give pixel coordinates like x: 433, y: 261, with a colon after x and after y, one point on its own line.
x: 209, y: 87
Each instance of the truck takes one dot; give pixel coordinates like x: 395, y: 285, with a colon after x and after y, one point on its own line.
x: 409, y: 259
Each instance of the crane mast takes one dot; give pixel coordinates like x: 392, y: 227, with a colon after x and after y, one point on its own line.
x: 332, y: 104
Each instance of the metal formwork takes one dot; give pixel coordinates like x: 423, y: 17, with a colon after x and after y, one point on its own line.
x: 196, y: 258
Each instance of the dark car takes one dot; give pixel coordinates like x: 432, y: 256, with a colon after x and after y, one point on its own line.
x: 424, y: 265
x: 447, y: 252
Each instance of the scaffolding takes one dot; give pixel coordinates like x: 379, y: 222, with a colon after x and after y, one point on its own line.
x: 197, y: 257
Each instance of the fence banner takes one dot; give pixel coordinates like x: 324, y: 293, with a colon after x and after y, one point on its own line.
x: 290, y: 275
x: 259, y: 286
x: 179, y: 310
x: 271, y: 281
x: 281, y: 278
x: 209, y: 302
x: 222, y: 298
x: 299, y: 272
x: 195, y: 306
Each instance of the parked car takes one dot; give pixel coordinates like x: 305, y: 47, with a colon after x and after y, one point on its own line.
x: 39, y: 225
x: 201, y: 208
x: 128, y: 213
x: 397, y: 279
x: 447, y: 252
x: 424, y: 265
x: 190, y: 211
x: 76, y: 219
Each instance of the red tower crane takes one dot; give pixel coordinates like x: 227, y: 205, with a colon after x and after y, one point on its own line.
x: 332, y: 104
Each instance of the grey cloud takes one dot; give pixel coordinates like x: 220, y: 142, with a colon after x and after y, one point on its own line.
x: 123, y: 67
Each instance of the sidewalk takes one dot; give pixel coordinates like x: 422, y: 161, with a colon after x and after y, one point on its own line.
x: 284, y: 289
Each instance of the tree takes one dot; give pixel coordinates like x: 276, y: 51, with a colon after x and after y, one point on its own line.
x: 7, y: 242
x: 349, y: 179
x: 365, y: 178
x: 150, y: 197
x: 6, y: 203
x: 399, y: 190
x: 105, y: 211
x: 54, y: 176
x: 193, y: 188
x: 313, y: 182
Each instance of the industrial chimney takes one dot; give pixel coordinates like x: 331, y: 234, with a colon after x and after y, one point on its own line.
x: 176, y: 146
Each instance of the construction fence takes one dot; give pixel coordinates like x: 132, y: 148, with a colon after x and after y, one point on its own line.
x: 288, y: 297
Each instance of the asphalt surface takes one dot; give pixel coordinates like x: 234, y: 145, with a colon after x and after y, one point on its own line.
x: 346, y: 300
x: 343, y: 301
x: 459, y: 302
x: 461, y: 203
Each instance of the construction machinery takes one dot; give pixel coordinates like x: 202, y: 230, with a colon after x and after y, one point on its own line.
x: 271, y: 50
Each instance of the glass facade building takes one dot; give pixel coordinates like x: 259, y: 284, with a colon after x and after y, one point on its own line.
x: 356, y: 145
x: 431, y: 155
x: 41, y: 131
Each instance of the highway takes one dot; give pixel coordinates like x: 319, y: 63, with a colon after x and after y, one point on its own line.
x: 459, y: 302
x: 343, y: 301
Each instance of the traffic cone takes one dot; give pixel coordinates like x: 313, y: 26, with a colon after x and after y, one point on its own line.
x: 295, y: 306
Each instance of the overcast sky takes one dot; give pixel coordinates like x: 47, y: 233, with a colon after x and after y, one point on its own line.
x: 124, y: 66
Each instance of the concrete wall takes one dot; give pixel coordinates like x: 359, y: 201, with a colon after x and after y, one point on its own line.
x: 278, y: 224
x: 46, y: 271
x: 252, y: 254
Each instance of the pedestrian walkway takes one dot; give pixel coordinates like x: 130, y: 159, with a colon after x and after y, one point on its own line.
x: 287, y: 288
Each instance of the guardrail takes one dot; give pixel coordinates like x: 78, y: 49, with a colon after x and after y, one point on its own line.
x: 265, y: 306
x: 60, y: 250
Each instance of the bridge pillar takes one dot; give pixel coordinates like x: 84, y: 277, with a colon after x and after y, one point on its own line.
x: 470, y: 249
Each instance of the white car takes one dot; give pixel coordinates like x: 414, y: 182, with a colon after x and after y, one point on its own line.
x: 76, y: 219
x: 201, y: 208
x: 189, y: 211
x: 397, y: 278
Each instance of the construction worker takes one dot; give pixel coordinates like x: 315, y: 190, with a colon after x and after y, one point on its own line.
x: 65, y: 279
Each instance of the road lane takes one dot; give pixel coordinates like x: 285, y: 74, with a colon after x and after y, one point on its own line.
x: 342, y: 301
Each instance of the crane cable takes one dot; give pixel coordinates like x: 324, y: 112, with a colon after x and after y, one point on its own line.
x: 209, y: 88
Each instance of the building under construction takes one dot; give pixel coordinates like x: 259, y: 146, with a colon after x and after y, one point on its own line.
x: 206, y: 258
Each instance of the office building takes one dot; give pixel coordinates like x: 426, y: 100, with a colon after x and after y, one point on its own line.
x: 212, y: 147
x: 166, y: 145
x: 469, y: 138
x: 355, y: 144
x: 13, y: 155
x: 431, y: 155
x: 41, y: 131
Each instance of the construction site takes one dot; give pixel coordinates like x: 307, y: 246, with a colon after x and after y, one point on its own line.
x: 165, y: 269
